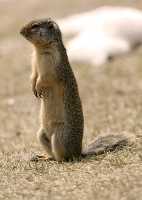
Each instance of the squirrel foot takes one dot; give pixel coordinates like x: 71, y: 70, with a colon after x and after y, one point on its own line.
x: 44, y: 157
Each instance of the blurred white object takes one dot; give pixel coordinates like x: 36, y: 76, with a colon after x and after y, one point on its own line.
x: 101, y: 34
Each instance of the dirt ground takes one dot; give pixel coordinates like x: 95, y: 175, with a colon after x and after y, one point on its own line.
x: 112, y: 103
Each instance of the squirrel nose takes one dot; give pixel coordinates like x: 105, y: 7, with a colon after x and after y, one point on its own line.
x: 23, y: 32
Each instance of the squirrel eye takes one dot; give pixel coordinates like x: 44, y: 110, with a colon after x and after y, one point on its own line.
x: 35, y: 26
x: 50, y: 26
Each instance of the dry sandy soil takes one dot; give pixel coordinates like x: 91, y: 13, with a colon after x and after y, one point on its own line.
x: 112, y: 103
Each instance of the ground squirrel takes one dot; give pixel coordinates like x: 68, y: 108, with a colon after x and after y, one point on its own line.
x: 53, y: 80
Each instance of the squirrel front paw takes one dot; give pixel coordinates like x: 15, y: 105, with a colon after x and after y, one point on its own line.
x: 33, y: 82
x: 41, y: 90
x: 35, y: 92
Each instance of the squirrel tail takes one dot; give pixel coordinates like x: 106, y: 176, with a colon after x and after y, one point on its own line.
x: 108, y: 143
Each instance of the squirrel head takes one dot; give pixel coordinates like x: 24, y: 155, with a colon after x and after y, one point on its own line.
x: 42, y: 32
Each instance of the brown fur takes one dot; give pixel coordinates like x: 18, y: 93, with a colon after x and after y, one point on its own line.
x: 62, y: 122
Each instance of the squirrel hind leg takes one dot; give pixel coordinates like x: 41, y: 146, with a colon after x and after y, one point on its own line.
x: 107, y: 143
x: 57, y: 148
x: 45, y: 141
x: 42, y: 137
x: 62, y: 152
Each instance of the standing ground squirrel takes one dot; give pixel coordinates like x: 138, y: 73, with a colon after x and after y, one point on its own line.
x: 53, y: 80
